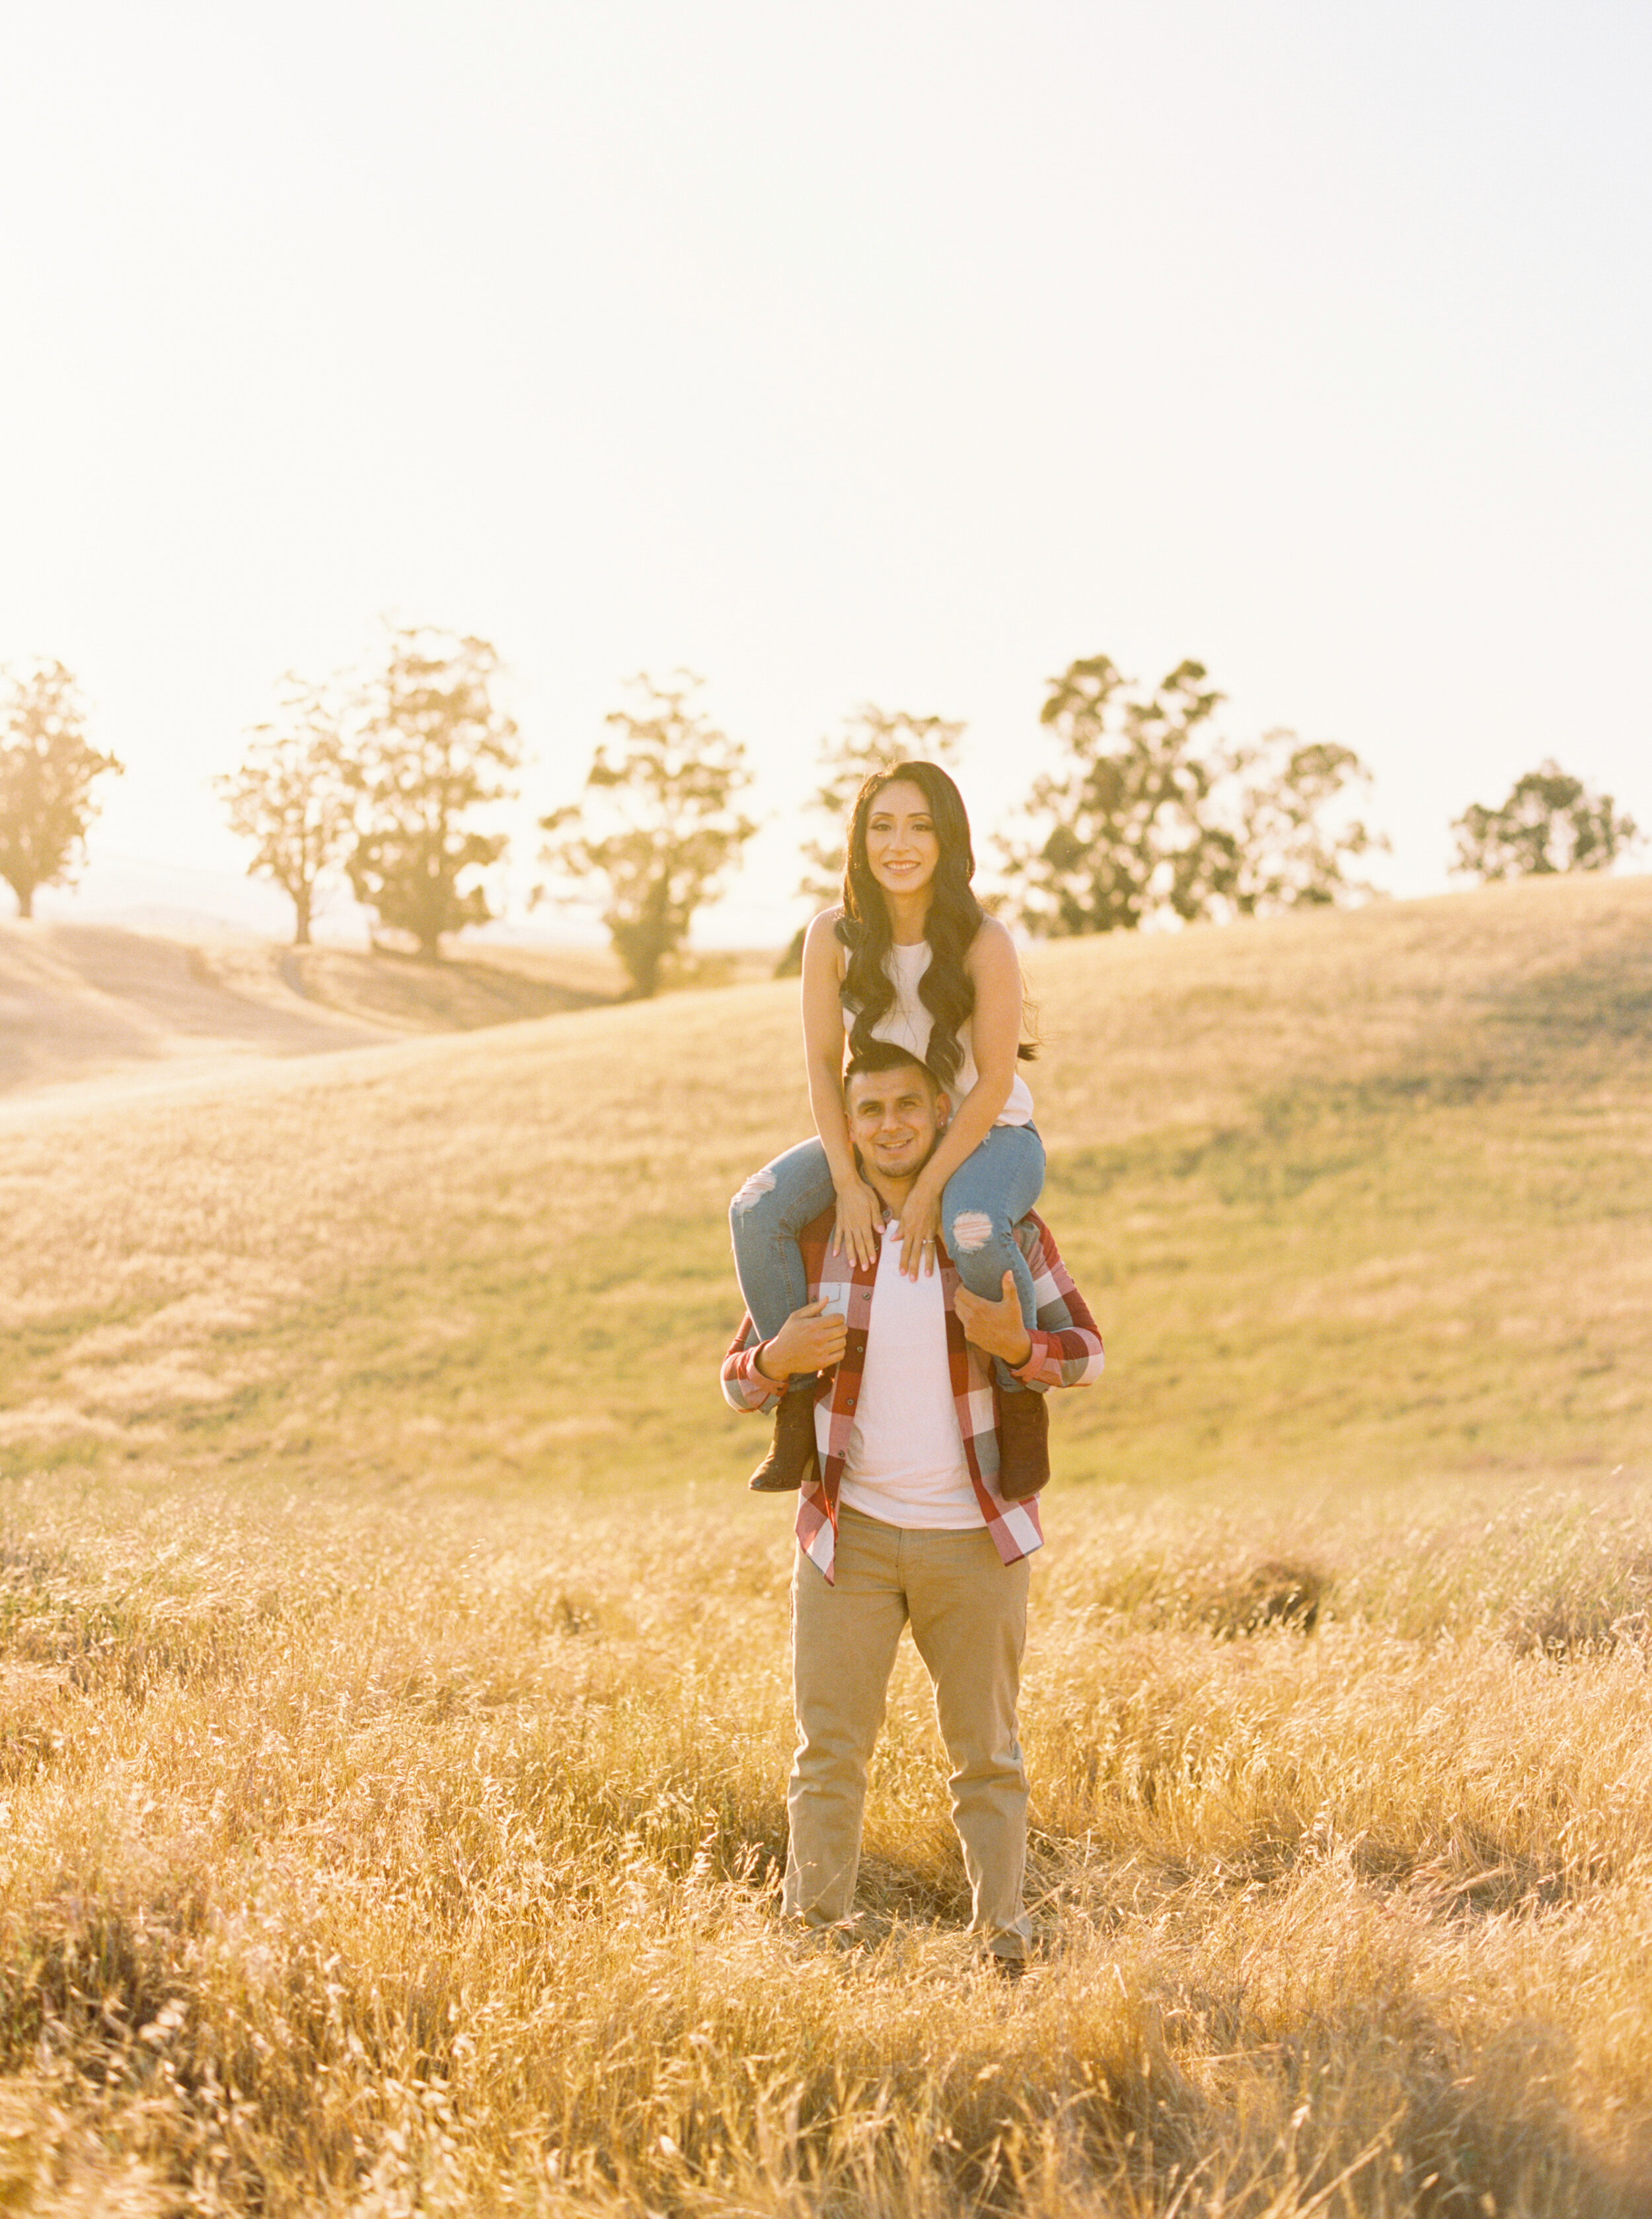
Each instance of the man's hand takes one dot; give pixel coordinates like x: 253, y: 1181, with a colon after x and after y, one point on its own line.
x: 995, y: 1326
x: 808, y: 1341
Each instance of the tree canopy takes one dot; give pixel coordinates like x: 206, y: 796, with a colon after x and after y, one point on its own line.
x: 292, y: 797
x: 1154, y: 814
x: 1551, y: 822
x: 658, y: 824
x: 1293, y: 838
x: 432, y: 750
x: 48, y: 770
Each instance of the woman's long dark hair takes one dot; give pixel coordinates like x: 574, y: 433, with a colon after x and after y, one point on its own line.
x: 955, y: 918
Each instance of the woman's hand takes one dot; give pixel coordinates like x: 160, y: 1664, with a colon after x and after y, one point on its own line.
x: 859, y: 1215
x: 920, y: 1227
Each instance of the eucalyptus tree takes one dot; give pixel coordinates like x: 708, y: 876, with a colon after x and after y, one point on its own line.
x: 1550, y: 823
x: 432, y: 753
x: 292, y: 796
x: 48, y: 769
x: 1150, y: 813
x: 658, y: 826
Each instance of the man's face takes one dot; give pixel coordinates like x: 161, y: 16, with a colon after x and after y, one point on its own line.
x: 894, y: 1118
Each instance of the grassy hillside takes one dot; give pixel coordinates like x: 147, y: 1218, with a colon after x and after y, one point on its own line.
x: 1356, y: 1197
x: 392, y: 1668
x: 81, y: 1001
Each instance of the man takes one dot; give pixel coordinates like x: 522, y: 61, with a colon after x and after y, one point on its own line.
x: 900, y: 1517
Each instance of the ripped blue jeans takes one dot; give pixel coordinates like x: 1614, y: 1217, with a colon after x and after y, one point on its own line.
x: 992, y: 1188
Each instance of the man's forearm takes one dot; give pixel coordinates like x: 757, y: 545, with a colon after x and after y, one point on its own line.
x: 744, y: 1388
x: 1066, y: 1342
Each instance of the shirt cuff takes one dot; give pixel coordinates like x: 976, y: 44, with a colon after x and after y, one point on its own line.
x: 1037, y: 1366
x: 757, y: 1387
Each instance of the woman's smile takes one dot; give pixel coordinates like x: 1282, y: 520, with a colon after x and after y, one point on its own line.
x: 901, y: 845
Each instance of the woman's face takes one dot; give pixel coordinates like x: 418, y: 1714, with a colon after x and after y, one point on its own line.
x: 901, y: 845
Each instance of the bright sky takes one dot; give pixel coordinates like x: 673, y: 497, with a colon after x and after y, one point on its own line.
x: 896, y: 353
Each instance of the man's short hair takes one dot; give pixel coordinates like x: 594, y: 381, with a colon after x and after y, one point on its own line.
x: 887, y: 1055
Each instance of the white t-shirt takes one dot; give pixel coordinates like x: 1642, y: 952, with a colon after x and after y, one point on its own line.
x: 905, y: 1464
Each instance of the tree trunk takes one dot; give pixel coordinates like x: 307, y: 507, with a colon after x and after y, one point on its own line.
x: 652, y: 947
x: 302, y: 918
x: 25, y: 900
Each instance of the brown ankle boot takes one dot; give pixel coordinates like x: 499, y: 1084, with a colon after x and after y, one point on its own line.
x: 784, y: 1470
x: 1023, y: 1445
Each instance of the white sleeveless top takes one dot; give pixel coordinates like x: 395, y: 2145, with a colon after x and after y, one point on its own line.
x: 909, y: 1024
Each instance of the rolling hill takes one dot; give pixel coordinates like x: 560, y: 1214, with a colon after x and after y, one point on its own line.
x: 1356, y: 1195
x: 95, y: 1001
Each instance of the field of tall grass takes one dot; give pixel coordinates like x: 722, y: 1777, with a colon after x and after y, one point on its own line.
x: 393, y: 1714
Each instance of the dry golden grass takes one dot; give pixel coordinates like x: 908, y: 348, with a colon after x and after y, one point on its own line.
x: 378, y: 1859
x: 393, y: 1709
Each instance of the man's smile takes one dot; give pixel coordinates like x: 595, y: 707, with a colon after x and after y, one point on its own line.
x: 891, y: 1149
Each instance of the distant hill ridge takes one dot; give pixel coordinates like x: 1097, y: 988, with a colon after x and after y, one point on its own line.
x: 85, y: 1001
x: 1136, y: 1030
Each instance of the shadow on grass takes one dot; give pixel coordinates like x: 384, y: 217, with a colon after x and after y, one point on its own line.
x: 1293, y: 1139
x: 1583, y: 1006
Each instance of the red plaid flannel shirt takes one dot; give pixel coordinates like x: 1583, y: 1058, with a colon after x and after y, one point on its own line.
x: 1066, y: 1352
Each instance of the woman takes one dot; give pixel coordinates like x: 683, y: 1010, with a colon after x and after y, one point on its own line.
x: 910, y: 955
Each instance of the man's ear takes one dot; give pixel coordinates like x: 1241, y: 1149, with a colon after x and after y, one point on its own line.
x: 943, y: 1107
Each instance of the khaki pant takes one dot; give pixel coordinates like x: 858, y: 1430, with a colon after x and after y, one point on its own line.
x: 968, y: 1613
